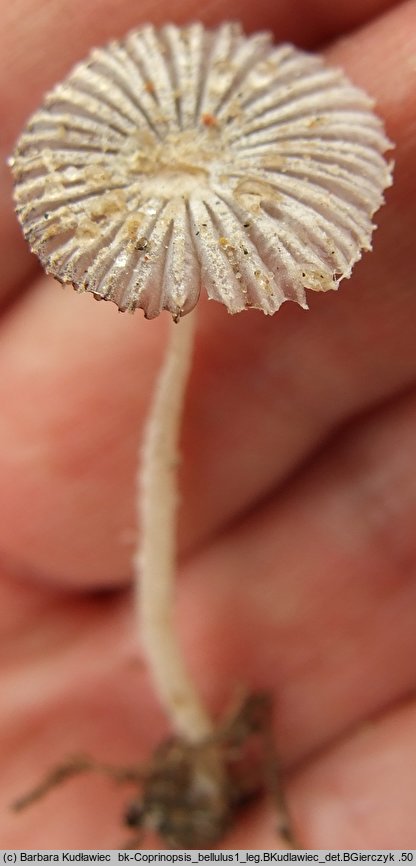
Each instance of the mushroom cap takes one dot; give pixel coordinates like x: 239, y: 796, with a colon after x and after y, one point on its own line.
x: 185, y: 157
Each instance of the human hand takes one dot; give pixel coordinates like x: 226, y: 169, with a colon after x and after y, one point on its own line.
x: 297, y: 567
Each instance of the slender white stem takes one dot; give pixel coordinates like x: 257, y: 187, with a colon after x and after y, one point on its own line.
x: 156, y: 559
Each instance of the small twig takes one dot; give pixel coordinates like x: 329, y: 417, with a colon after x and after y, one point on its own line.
x: 273, y: 781
x: 73, y: 767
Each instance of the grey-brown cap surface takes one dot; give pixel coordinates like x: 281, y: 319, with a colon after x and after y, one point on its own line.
x: 183, y: 158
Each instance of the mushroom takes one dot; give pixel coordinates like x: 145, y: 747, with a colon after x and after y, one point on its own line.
x: 183, y: 158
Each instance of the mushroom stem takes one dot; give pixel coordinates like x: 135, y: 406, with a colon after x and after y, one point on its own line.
x: 155, y: 561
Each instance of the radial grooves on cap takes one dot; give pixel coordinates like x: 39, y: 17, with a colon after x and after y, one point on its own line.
x: 148, y: 287
x: 75, y: 198
x: 358, y: 160
x: 219, y: 49
x: 182, y: 267
x: 103, y: 285
x: 247, y: 257
x: 148, y: 87
x: 310, y: 95
x: 183, y: 157
x: 281, y: 267
x: 159, y: 74
x: 96, y: 257
x: 128, y: 84
x: 285, y: 77
x: 217, y: 275
x: 317, y: 235
x: 232, y: 78
x: 72, y: 99
x: 188, y: 69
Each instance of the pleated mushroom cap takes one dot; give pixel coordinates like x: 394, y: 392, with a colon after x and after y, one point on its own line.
x: 183, y: 158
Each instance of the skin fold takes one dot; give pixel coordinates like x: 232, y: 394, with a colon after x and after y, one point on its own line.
x: 297, y: 571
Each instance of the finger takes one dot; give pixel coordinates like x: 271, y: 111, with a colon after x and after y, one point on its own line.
x: 361, y: 793
x: 324, y: 574
x: 39, y: 43
x: 65, y: 454
x: 315, y: 592
x: 71, y: 682
x: 265, y: 393
x: 369, y: 774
